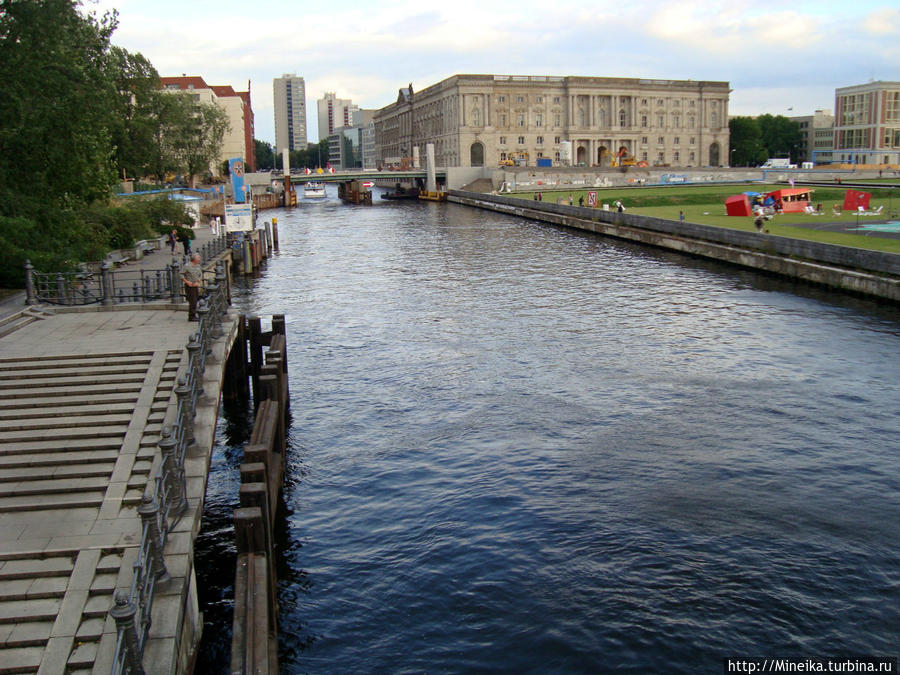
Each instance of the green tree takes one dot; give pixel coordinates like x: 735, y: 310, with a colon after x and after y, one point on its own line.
x: 780, y: 136
x: 198, y: 136
x: 56, y: 109
x: 265, y: 155
x: 136, y: 84
x: 746, y: 142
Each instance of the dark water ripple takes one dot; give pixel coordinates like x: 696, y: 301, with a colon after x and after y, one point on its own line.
x: 521, y: 449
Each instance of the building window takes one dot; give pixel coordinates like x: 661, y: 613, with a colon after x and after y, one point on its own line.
x: 690, y: 122
x: 540, y: 140
x: 677, y: 140
x: 692, y: 105
x: 644, y: 121
x: 692, y: 140
x: 692, y: 156
x: 556, y: 120
x: 676, y: 121
x: 643, y: 101
x: 520, y: 99
x: 556, y: 99
x: 660, y: 102
x: 521, y: 120
x: 661, y: 121
x: 892, y: 106
x: 539, y: 120
x: 676, y: 103
x: 714, y: 121
x: 540, y: 154
x: 521, y: 140
x: 556, y: 155
x: 643, y: 140
x: 644, y: 156
x: 503, y: 140
x: 556, y: 139
x: 622, y: 118
x: 502, y: 156
x: 502, y: 120
x: 538, y: 99
x: 501, y: 99
x: 661, y: 140
x: 675, y: 156
x: 660, y: 157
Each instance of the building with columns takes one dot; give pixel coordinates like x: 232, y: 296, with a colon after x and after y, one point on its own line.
x: 486, y: 120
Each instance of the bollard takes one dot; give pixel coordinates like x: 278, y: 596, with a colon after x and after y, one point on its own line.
x: 106, y: 281
x: 149, y: 513
x: 248, y: 259
x: 123, y: 613
x: 30, y: 297
x: 275, y: 232
x: 269, y: 246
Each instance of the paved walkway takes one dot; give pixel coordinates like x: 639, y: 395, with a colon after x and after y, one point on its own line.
x: 83, y: 397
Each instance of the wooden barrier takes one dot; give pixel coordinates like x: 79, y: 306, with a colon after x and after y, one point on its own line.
x: 255, y: 632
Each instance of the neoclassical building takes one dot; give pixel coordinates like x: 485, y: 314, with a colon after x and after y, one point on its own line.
x: 483, y: 120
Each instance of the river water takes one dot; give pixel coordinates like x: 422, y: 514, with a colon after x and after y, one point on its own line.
x: 522, y: 449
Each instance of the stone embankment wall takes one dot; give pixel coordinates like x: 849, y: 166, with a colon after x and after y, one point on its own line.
x: 852, y: 269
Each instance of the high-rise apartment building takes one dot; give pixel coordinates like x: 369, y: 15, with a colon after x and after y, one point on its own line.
x: 335, y: 113
x: 290, y: 112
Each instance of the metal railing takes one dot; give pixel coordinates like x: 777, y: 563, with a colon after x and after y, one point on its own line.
x: 165, y: 500
x: 111, y: 286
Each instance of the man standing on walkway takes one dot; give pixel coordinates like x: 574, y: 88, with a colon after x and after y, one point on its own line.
x: 192, y: 275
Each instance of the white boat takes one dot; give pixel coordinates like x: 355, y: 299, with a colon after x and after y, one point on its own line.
x: 314, y: 190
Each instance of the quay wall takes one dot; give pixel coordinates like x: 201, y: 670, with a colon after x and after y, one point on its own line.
x: 857, y: 270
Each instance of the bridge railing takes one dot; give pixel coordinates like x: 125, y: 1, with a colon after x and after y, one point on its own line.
x: 165, y: 499
x: 110, y: 286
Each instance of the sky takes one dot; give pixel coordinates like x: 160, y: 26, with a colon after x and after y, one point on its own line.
x: 782, y: 58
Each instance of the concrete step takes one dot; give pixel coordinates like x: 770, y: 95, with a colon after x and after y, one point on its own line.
x: 21, y: 660
x: 68, y: 412
x: 11, y: 326
x: 99, y: 469
x: 44, y: 609
x: 24, y: 634
x: 36, y: 424
x: 30, y: 567
x: 64, y: 390
x: 58, y: 358
x: 72, y: 371
x: 105, y: 400
x: 54, y: 459
x: 71, y: 382
x: 33, y: 589
x: 51, y: 486
x: 46, y: 502
x: 62, y: 436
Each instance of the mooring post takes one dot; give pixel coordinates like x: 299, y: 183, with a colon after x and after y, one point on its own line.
x: 256, y: 355
x: 275, y: 232
x: 248, y: 259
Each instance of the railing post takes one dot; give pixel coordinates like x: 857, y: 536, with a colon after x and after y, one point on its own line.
x: 60, y: 288
x: 30, y: 298
x: 123, y: 612
x: 194, y: 356
x: 176, y: 281
x: 106, y: 281
x: 149, y: 513
x: 186, y: 403
x: 173, y: 472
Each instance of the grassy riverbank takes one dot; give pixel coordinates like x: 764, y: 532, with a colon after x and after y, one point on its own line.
x: 705, y: 205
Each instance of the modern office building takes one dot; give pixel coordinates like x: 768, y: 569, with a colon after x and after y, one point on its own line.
x: 335, y: 113
x: 289, y: 92
x: 818, y: 137
x: 867, y: 123
x: 487, y: 120
x: 238, y: 141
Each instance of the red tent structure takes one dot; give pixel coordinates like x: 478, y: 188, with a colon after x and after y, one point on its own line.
x: 793, y: 200
x: 854, y: 199
x: 739, y: 205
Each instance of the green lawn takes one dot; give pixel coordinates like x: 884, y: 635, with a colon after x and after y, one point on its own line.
x: 705, y: 205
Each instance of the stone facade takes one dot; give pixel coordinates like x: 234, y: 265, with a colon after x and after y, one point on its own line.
x: 488, y: 120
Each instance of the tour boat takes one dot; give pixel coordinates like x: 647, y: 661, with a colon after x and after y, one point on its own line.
x: 314, y: 190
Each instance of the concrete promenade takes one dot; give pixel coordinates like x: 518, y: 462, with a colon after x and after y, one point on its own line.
x: 84, y: 394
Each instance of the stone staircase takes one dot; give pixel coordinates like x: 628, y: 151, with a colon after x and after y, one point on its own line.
x: 78, y: 436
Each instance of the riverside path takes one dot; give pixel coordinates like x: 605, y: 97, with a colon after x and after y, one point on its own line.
x: 85, y: 397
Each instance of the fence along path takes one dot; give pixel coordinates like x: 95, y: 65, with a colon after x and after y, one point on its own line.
x: 84, y: 397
